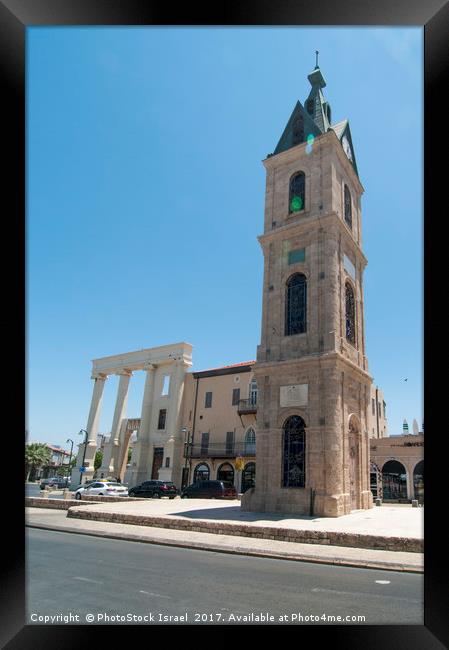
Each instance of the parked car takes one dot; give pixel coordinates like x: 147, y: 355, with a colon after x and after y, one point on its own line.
x: 106, y: 488
x: 154, y: 490
x: 59, y: 482
x: 209, y: 490
x: 84, y: 485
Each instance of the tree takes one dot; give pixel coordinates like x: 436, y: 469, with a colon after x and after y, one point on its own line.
x: 98, y: 460
x: 66, y: 468
x: 37, y: 454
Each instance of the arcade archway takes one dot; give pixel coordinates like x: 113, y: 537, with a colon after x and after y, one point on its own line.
x: 394, y: 481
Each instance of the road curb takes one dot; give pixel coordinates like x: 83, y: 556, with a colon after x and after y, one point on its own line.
x: 207, y: 546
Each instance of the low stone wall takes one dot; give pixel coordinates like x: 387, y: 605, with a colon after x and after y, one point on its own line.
x: 355, y: 540
x: 97, y: 498
x: 42, y: 502
x: 65, y: 504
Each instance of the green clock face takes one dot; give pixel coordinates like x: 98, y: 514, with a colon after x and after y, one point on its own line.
x: 347, y: 147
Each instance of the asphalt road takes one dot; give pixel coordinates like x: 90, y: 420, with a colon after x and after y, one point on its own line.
x: 79, y: 575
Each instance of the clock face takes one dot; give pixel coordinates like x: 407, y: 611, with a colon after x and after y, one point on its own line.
x: 347, y: 147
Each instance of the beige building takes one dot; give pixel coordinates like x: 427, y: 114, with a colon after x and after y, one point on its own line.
x: 397, y: 467
x: 219, y: 416
x: 377, y: 414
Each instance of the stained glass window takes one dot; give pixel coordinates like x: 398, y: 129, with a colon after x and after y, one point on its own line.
x: 348, y: 207
x: 297, y: 192
x: 296, y: 305
x: 294, y: 460
x: 350, y: 314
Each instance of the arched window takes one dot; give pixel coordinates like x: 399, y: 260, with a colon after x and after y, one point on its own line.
x: 248, y: 477
x: 298, y: 130
x: 418, y: 481
x: 394, y: 481
x: 250, y: 442
x: 294, y: 460
x: 296, y: 305
x: 297, y: 199
x: 350, y: 314
x: 226, y: 473
x: 201, y: 473
x: 348, y: 207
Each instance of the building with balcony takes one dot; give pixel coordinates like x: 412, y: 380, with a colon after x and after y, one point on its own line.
x: 377, y: 414
x: 220, y: 409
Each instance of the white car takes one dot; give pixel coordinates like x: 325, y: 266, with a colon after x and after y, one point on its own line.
x: 106, y: 488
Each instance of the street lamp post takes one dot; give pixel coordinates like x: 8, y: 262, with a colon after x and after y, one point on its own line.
x: 186, y: 452
x: 84, y: 452
x: 71, y: 450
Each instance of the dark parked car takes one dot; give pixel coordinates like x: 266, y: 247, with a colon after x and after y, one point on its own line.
x: 154, y: 490
x: 209, y: 490
x: 55, y: 481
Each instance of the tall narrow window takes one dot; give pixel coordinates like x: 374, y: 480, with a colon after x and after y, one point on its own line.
x: 297, y: 197
x: 208, y: 400
x: 350, y: 314
x: 296, y: 305
x: 250, y: 442
x: 204, y: 444
x: 294, y: 460
x: 235, y: 396
x: 162, y: 419
x: 348, y: 207
x: 298, y: 130
x: 166, y: 385
x: 230, y: 443
x: 253, y: 392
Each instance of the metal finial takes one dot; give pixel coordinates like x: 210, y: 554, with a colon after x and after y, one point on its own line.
x: 316, y: 52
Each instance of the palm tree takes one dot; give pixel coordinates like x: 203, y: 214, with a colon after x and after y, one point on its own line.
x: 37, y: 454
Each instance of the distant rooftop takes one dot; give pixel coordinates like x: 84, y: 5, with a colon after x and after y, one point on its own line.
x: 244, y: 366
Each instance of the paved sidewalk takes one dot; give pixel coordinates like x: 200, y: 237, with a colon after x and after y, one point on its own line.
x: 337, y: 555
x: 395, y: 520
x: 389, y: 528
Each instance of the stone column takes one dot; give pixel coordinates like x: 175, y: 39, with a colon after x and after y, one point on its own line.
x: 410, y: 484
x: 173, y: 447
x: 139, y: 470
x: 111, y: 453
x: 92, y: 430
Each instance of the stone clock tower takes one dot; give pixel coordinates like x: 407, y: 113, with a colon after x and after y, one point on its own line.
x: 311, y: 370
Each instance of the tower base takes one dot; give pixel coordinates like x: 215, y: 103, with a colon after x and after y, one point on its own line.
x: 302, y: 502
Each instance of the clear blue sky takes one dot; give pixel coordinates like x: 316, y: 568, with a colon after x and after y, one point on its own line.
x: 145, y: 196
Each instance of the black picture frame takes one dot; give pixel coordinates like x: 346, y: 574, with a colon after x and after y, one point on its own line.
x: 15, y: 17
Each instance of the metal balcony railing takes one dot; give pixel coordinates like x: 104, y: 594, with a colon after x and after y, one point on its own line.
x: 247, y: 406
x: 219, y: 450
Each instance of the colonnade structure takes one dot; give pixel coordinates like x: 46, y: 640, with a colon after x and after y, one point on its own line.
x: 157, y: 451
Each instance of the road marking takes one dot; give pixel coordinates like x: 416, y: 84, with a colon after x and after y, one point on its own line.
x: 150, y: 593
x: 382, y: 582
x: 98, y: 582
x: 362, y: 593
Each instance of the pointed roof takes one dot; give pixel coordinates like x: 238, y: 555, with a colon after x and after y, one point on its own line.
x: 288, y: 139
x: 314, y: 118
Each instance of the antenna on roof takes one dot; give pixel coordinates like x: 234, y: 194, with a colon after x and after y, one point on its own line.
x: 316, y: 52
